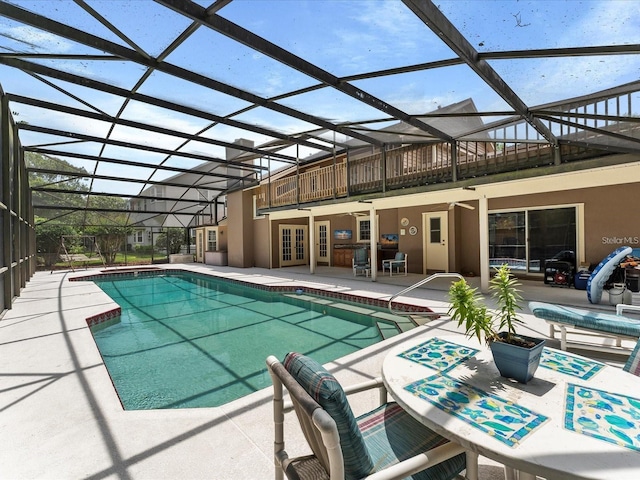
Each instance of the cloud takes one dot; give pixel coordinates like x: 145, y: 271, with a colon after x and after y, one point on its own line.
x: 36, y: 40
x: 373, y: 35
x: 597, y: 23
x: 611, y: 22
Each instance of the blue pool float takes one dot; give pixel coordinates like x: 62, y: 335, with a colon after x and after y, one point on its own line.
x: 603, y: 271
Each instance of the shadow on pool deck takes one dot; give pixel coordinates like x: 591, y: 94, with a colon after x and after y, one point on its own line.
x: 60, y: 416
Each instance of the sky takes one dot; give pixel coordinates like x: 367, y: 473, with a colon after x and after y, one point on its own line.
x: 342, y: 37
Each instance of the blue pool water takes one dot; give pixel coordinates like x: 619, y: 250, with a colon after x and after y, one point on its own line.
x: 187, y: 340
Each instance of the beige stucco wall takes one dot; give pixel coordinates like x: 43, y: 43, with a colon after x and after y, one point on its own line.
x: 222, y: 237
x: 261, y: 249
x: 240, y: 238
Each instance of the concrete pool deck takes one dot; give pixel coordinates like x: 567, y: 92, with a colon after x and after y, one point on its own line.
x: 60, y: 417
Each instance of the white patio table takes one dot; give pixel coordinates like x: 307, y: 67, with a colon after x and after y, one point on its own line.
x: 576, y: 419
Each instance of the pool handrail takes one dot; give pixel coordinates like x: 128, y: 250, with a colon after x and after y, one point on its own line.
x: 416, y: 285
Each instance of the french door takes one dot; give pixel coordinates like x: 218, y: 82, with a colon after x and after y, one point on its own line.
x: 293, y: 245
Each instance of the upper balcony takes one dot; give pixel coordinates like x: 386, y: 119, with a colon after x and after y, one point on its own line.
x: 411, y: 166
x: 582, y: 128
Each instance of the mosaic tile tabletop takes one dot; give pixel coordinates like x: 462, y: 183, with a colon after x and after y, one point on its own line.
x: 503, y: 420
x: 568, y: 364
x: 611, y: 417
x: 439, y: 354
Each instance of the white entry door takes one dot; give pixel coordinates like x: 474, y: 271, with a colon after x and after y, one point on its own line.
x: 436, y: 241
x: 323, y: 242
x: 293, y: 245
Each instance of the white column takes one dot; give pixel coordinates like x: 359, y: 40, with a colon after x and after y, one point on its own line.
x: 312, y: 244
x: 374, y: 243
x: 483, y: 218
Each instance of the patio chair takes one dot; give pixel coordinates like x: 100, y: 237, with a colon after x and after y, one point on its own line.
x: 386, y: 443
x: 361, y: 262
x: 633, y: 362
x: 398, y: 262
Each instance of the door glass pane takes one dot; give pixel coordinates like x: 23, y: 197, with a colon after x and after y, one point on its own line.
x: 322, y: 241
x: 435, y: 233
x: 299, y: 244
x: 507, y: 240
x: 286, y: 244
x: 552, y: 234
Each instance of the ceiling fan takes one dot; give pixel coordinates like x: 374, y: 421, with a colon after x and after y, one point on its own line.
x: 463, y: 205
x: 354, y: 214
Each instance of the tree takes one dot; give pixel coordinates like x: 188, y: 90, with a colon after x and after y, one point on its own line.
x: 48, y: 238
x: 171, y: 240
x: 57, y: 181
x: 109, y: 228
x: 110, y: 239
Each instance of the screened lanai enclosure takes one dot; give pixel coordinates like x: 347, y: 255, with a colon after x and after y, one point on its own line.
x: 125, y: 114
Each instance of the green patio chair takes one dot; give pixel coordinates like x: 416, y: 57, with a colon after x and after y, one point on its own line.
x: 398, y: 262
x: 386, y: 442
x: 361, y: 262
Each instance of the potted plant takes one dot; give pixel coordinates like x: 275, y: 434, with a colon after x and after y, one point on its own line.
x: 516, y: 356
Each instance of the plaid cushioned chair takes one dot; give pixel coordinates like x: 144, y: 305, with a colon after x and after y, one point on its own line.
x: 383, y: 444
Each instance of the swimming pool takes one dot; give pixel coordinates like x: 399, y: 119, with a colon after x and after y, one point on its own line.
x: 186, y: 340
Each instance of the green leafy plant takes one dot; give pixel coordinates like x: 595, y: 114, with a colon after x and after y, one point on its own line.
x: 468, y: 309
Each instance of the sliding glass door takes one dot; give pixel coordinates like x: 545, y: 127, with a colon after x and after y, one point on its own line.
x: 552, y: 234
x: 524, y: 239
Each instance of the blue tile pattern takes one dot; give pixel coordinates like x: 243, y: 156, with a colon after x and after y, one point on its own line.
x: 611, y: 417
x: 569, y: 364
x: 503, y: 420
x: 438, y: 354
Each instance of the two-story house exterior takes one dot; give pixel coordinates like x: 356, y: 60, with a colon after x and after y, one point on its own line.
x: 493, y: 195
x: 193, y: 200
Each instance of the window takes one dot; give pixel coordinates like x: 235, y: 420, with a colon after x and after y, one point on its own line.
x: 525, y: 239
x: 212, y: 240
x: 157, y: 192
x: 138, y: 236
x: 364, y: 229
x: 435, y: 230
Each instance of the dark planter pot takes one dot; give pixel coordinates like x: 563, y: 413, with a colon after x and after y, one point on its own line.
x: 517, y: 362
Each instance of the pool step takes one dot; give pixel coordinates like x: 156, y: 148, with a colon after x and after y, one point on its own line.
x: 425, y: 318
x: 388, y: 325
x: 393, y: 326
x: 405, y: 324
x: 387, y: 330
